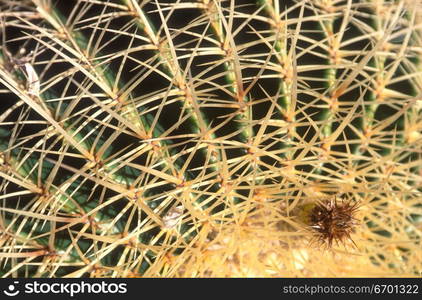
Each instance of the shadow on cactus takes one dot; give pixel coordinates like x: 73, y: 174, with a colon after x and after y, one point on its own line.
x: 209, y: 138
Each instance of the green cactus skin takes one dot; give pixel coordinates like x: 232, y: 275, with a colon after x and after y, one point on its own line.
x: 134, y: 135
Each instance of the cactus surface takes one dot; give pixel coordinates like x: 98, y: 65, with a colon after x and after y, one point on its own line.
x: 200, y: 138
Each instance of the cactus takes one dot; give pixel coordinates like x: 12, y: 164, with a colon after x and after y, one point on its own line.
x: 210, y: 138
